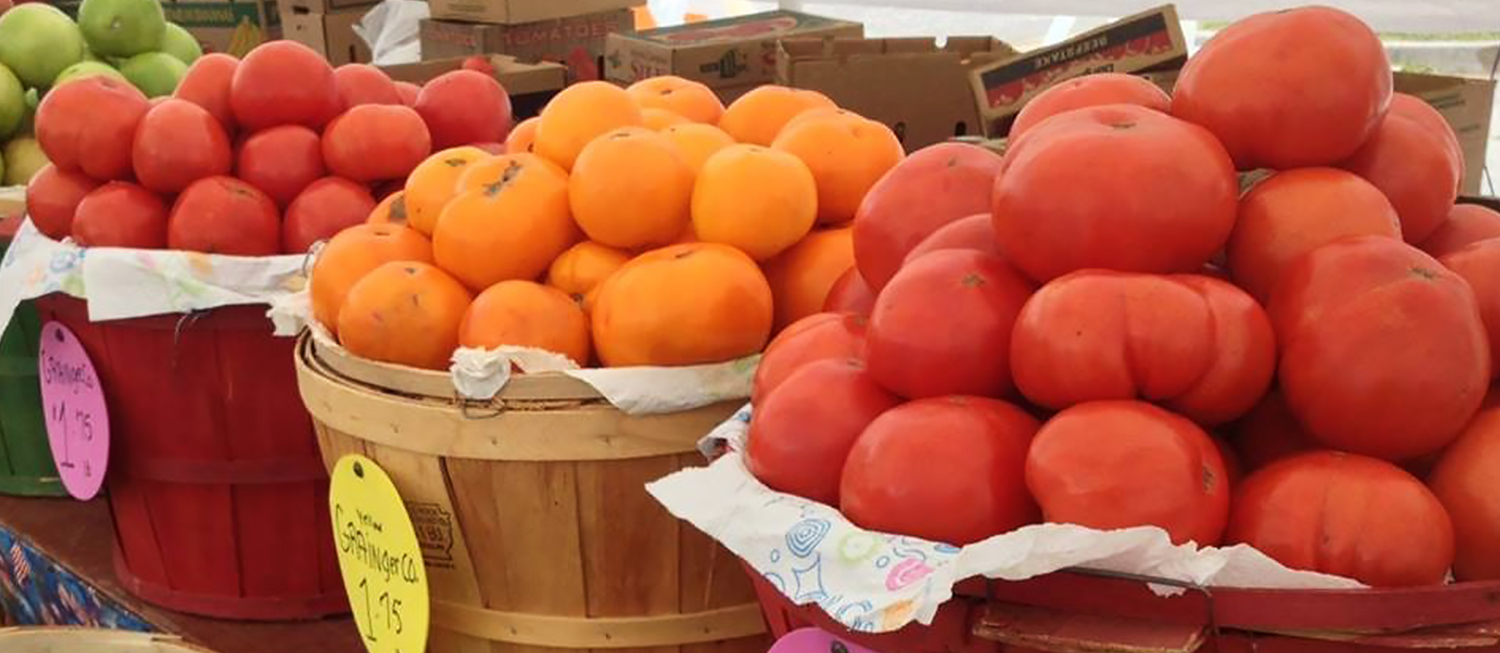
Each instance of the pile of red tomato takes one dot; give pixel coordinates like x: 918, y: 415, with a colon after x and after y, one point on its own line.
x: 1100, y: 328
x: 253, y: 157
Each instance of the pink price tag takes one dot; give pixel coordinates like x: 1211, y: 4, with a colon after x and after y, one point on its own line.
x: 812, y: 640
x: 77, y: 418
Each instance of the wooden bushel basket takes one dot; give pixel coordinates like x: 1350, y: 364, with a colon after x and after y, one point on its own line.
x: 535, y: 526
x: 90, y: 640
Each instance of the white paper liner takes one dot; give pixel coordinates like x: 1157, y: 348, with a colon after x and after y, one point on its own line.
x: 874, y: 582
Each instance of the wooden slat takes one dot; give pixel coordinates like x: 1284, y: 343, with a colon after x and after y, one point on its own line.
x: 712, y: 577
x: 1052, y: 630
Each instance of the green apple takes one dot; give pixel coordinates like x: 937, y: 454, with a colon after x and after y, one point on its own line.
x: 122, y: 28
x: 24, y: 158
x: 179, y: 43
x: 86, y: 69
x: 155, y: 73
x: 12, y: 102
x: 37, y: 41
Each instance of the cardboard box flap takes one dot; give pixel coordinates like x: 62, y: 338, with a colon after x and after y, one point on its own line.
x: 964, y: 47
x: 765, y: 25
x: 732, y: 53
x: 512, y: 12
x: 517, y: 78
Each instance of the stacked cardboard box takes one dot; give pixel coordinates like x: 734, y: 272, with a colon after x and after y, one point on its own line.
x: 327, y: 26
x: 530, y: 85
x: 570, y: 32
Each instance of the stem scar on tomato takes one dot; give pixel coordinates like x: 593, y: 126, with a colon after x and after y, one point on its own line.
x: 1424, y: 273
x: 973, y: 280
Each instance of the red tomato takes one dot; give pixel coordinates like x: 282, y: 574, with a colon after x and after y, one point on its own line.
x: 409, y: 92
x: 945, y: 469
x: 1116, y: 464
x: 932, y: 187
x: 360, y: 83
x: 1233, y: 470
x: 374, y: 142
x: 976, y: 232
x: 1312, y: 104
x: 464, y: 107
x: 178, y: 143
x: 121, y: 214
x: 812, y: 338
x: 1167, y: 206
x: 1465, y: 480
x: 1346, y: 515
x: 90, y: 125
x: 281, y: 161
x: 1269, y: 433
x: 1479, y: 264
x: 850, y: 294
x: 801, y: 433
x: 1383, y: 351
x: 52, y: 199
x: 328, y: 206
x: 223, y: 215
x: 206, y: 84
x: 1416, y: 168
x: 1466, y: 224
x: 943, y: 326
x: 1297, y: 211
x: 1090, y: 91
x: 283, y: 83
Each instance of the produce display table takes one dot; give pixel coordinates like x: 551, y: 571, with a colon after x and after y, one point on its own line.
x: 77, y: 537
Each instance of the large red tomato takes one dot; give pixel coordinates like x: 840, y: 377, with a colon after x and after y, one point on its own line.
x: 376, y: 142
x: 1383, y: 351
x: 89, y: 126
x: 1465, y: 480
x: 223, y: 215
x: 946, y: 469
x: 1479, y: 264
x: 850, y: 294
x: 802, y: 432
x: 1466, y: 224
x: 932, y: 187
x: 1347, y: 515
x: 812, y: 338
x: 178, y: 143
x: 328, y: 206
x: 464, y: 107
x: 1117, y: 464
x: 1200, y: 345
x: 942, y: 326
x: 409, y: 93
x: 52, y: 199
x: 360, y: 83
x: 206, y: 84
x: 1090, y: 91
x: 1269, y: 433
x: 1167, y: 206
x: 1312, y: 103
x: 1414, y: 165
x: 1297, y: 211
x: 283, y: 83
x: 281, y: 161
x: 975, y: 232
x: 121, y: 214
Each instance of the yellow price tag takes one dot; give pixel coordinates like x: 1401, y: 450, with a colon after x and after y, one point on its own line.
x: 379, y: 558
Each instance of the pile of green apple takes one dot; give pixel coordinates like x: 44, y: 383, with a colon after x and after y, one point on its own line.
x: 41, y: 48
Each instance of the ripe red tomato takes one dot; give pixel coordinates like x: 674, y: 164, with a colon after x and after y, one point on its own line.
x: 408, y: 92
x: 206, y: 84
x: 328, y: 206
x: 976, y: 232
x: 802, y: 432
x: 1417, y: 167
x: 1347, y: 515
x: 1144, y: 466
x: 946, y: 469
x: 1466, y: 224
x: 1233, y: 469
x: 1297, y: 211
x: 1167, y: 207
x: 1479, y: 264
x: 1090, y: 91
x: 178, y: 143
x: 815, y: 337
x: 1313, y: 104
x: 1269, y: 433
x: 121, y: 214
x: 464, y: 107
x: 932, y: 187
x: 281, y: 161
x: 52, y: 199
x: 223, y: 215
x: 375, y: 142
x: 360, y: 83
x: 283, y: 83
x: 90, y: 126
x: 850, y: 294
x: 1383, y: 351
x: 942, y: 326
x: 1201, y: 346
x: 1465, y: 480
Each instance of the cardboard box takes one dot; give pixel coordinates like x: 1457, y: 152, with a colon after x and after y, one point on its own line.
x: 1467, y: 103
x: 576, y: 42
x: 1148, y: 41
x: 331, y: 34
x: 517, y: 12
x: 230, y: 26
x: 921, y: 91
x: 730, y: 55
x: 530, y: 85
x: 325, y: 6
